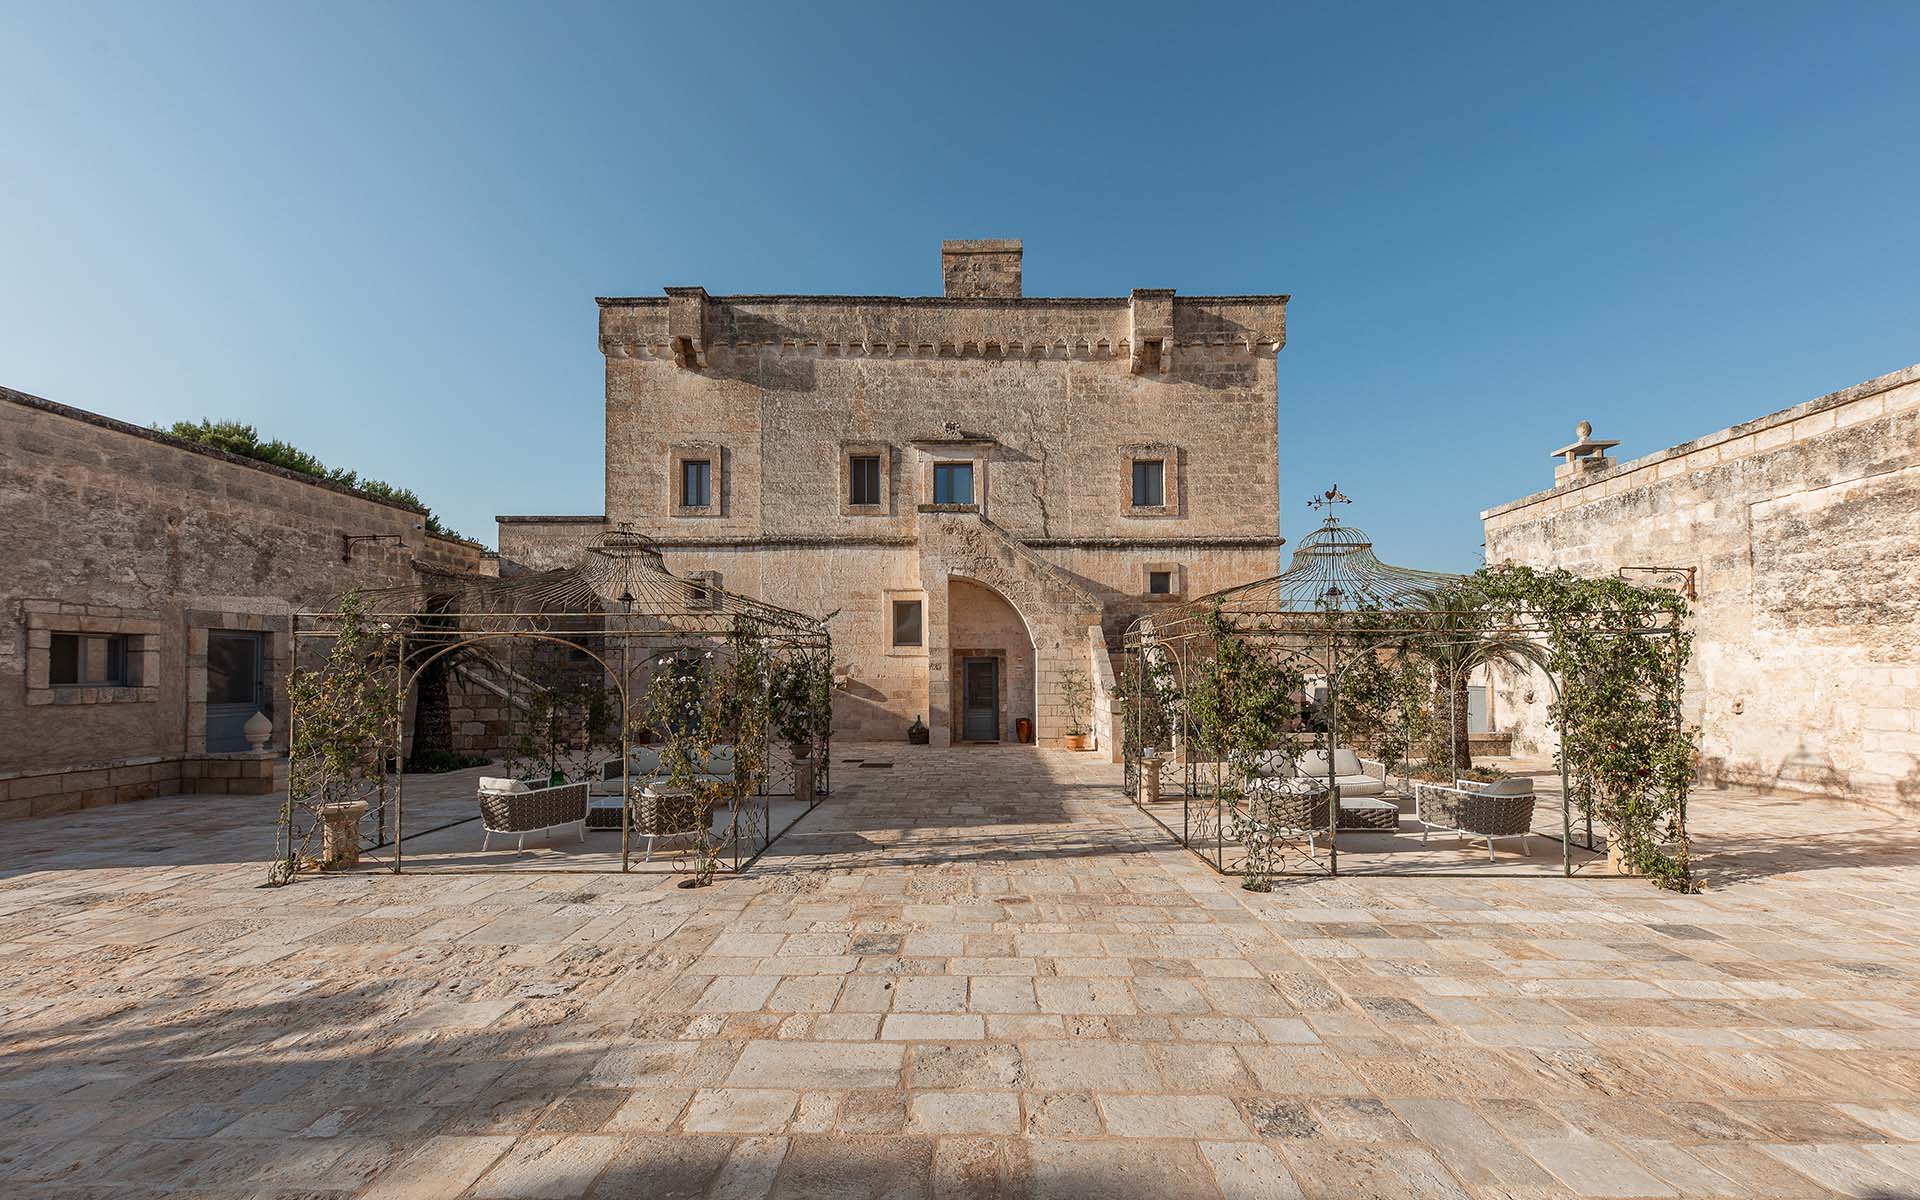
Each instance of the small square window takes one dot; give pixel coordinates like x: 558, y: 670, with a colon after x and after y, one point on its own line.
x: 81, y: 660
x: 953, y: 483
x: 863, y: 479
x: 1160, y: 583
x: 906, y: 623
x: 696, y: 483
x: 1149, y: 483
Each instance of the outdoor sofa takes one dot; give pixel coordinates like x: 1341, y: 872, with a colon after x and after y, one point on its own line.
x: 515, y: 808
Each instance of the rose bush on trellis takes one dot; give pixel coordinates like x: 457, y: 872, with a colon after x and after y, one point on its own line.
x: 1620, y: 654
x: 345, y: 735
x: 1241, y: 702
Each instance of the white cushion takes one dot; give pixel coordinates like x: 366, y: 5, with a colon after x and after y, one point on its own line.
x: 1360, y: 785
x: 1510, y: 786
x: 494, y: 786
x: 1345, y: 762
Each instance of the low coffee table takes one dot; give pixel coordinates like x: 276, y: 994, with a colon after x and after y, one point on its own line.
x: 1365, y: 814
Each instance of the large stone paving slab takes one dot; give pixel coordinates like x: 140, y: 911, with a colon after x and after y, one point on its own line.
x: 971, y: 973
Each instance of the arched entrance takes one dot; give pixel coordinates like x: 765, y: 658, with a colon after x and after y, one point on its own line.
x: 991, y: 658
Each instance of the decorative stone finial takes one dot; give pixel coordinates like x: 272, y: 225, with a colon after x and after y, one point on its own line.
x: 1583, y: 431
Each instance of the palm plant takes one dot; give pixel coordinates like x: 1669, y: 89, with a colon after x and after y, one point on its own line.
x: 1457, y: 630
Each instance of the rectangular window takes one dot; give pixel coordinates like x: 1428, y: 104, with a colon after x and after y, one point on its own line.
x: 1160, y: 583
x: 82, y: 660
x: 906, y: 622
x: 1149, y: 483
x: 696, y: 483
x: 953, y: 483
x: 863, y: 479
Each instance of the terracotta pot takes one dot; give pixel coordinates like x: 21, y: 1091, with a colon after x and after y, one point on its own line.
x: 1023, y: 730
x: 1075, y: 741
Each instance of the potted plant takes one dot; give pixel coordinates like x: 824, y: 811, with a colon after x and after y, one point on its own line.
x: 1077, y: 696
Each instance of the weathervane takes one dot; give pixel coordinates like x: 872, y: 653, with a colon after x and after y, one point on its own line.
x: 1328, y: 499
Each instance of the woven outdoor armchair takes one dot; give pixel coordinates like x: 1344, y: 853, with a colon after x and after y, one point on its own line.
x: 1502, y: 809
x: 1291, y: 805
x: 512, y: 807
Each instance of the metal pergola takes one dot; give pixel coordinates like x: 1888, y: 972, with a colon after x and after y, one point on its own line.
x: 1335, y: 603
x: 613, y: 602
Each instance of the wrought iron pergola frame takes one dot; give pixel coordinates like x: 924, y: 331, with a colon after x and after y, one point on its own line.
x: 1333, y: 604
x: 613, y: 590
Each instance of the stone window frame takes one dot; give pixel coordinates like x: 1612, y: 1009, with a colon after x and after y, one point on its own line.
x: 709, y: 580
x: 977, y: 459
x: 901, y: 595
x: 277, y: 635
x: 1170, y: 458
x: 852, y: 450
x: 712, y: 453
x: 1176, y: 585
x: 47, y: 617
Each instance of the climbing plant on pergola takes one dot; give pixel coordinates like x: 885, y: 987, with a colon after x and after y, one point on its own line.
x: 1613, y: 654
x: 610, y: 606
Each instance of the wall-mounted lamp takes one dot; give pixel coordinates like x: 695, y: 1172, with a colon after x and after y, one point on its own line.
x: 348, y: 539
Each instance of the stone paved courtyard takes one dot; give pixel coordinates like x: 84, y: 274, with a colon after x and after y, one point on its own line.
x: 975, y: 973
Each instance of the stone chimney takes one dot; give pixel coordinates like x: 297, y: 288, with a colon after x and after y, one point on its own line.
x: 990, y: 267
x: 1585, y: 458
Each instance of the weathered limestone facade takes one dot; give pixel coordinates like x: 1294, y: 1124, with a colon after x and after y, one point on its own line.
x: 1048, y: 404
x: 1800, y: 536
x: 120, y: 532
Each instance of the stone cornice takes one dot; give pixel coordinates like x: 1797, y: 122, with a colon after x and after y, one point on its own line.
x: 1859, y: 391
x: 687, y: 324
x: 99, y: 420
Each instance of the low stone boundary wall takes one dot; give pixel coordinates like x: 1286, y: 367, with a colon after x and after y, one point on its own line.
x: 50, y: 792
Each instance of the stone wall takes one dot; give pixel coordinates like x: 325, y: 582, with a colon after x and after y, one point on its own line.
x: 1801, y: 536
x: 116, y: 529
x: 1050, y: 401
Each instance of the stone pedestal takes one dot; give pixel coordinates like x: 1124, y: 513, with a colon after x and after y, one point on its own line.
x: 1150, y: 778
x: 340, y: 833
x: 803, y: 778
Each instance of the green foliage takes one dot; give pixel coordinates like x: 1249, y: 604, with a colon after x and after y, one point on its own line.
x: 1076, y: 696
x: 1620, y: 652
x: 238, y: 437
x: 1461, y: 627
x: 697, y: 701
x: 571, y: 717
x: 1240, y: 699
x: 802, y: 697
x: 343, y: 728
x: 1147, y: 701
x: 439, y: 762
x: 1382, y: 698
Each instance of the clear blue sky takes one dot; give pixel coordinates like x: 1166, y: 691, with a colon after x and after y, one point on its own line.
x: 377, y: 231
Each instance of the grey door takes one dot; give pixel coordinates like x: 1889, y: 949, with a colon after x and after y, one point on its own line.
x: 236, y: 678
x: 980, y: 688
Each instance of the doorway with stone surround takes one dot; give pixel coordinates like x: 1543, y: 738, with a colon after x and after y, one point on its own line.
x: 990, y: 663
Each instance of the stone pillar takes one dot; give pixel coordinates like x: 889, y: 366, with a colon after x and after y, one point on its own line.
x: 340, y: 834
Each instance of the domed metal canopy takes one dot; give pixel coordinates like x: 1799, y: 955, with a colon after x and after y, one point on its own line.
x: 1333, y: 570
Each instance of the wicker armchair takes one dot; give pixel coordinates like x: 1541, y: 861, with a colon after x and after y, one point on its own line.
x: 512, y: 807
x: 1503, y: 809
x: 1290, y: 805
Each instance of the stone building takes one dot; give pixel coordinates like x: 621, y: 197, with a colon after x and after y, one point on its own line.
x: 144, y: 608
x: 1798, y: 535
x: 982, y: 488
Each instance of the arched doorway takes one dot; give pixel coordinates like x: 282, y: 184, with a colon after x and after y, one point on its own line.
x: 991, y: 664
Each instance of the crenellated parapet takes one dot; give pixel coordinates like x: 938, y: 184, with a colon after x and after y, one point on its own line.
x: 687, y: 325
